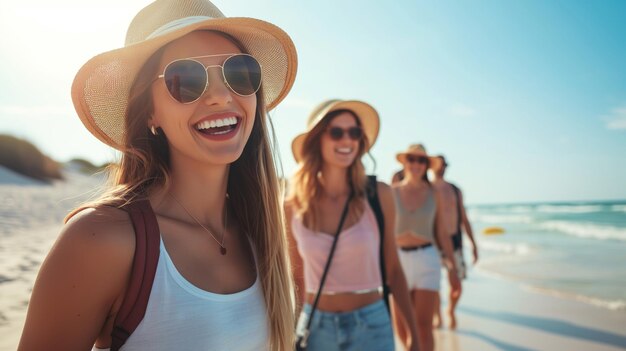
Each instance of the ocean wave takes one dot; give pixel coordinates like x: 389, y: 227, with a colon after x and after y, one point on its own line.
x: 509, y: 248
x: 530, y: 210
x: 521, y: 209
x: 569, y: 208
x: 586, y: 230
x: 501, y: 219
x: 618, y: 208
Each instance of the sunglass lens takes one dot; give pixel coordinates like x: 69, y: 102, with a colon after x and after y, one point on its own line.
x: 355, y: 133
x: 416, y: 159
x: 335, y: 133
x: 185, y: 80
x: 243, y: 74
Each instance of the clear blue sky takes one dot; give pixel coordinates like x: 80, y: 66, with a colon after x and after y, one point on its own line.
x: 527, y: 99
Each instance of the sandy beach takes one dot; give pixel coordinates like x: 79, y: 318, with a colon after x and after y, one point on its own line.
x: 31, y: 214
x: 494, y: 313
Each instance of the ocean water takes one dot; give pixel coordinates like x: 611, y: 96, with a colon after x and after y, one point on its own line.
x: 574, y: 250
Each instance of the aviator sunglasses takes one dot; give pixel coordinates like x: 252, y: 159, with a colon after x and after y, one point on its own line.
x: 354, y: 133
x: 187, y: 79
x: 416, y: 159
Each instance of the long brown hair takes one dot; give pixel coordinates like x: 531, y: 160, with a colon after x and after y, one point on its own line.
x: 306, y: 187
x: 253, y: 188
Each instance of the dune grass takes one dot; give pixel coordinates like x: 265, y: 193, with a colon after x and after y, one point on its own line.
x: 24, y: 158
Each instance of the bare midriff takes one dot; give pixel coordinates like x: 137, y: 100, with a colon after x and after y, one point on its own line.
x: 344, y: 302
x: 408, y: 239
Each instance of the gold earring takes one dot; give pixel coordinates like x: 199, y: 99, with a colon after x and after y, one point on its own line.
x: 153, y: 130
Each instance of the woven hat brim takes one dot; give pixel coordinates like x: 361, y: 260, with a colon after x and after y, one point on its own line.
x: 368, y: 116
x: 101, y: 87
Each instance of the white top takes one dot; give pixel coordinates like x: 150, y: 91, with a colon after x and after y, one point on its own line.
x: 181, y: 316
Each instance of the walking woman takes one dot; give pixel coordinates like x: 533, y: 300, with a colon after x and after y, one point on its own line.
x: 185, y: 103
x: 418, y: 229
x: 328, y: 203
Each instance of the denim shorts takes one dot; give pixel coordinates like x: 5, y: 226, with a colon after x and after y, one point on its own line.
x: 367, y: 328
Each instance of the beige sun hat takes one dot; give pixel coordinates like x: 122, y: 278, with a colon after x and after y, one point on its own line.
x: 102, y: 85
x: 370, y: 122
x: 417, y: 150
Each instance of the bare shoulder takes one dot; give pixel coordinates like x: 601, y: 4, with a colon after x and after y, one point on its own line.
x: 454, y: 186
x: 81, y: 281
x: 95, y: 247
x: 100, y: 229
x: 96, y: 237
x: 384, y: 189
x: 395, y: 184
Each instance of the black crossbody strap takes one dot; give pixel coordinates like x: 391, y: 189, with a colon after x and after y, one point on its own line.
x: 374, y: 202
x: 305, y: 336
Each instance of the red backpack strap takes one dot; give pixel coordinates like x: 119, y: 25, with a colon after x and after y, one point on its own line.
x: 147, y: 241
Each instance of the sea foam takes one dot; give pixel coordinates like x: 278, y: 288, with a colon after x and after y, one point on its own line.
x: 586, y: 230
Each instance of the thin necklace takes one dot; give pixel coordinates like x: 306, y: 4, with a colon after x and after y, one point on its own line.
x: 220, y: 243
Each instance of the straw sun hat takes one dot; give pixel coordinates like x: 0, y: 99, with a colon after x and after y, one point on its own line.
x: 102, y: 85
x: 367, y: 115
x: 417, y: 150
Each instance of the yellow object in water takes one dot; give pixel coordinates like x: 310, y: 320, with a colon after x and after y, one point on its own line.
x: 493, y: 230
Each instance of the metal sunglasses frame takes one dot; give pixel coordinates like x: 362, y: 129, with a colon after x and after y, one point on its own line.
x: 206, y: 72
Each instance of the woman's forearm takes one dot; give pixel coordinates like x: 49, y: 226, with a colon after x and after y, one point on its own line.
x: 400, y: 291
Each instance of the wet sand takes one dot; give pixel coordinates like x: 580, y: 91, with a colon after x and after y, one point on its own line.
x: 499, y: 315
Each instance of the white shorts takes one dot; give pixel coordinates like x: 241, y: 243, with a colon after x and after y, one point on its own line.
x: 422, y: 268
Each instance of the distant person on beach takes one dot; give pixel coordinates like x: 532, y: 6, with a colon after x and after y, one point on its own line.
x: 328, y: 207
x: 454, y: 221
x: 419, y: 229
x: 184, y: 104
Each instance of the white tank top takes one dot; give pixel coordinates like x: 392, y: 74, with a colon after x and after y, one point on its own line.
x: 181, y: 316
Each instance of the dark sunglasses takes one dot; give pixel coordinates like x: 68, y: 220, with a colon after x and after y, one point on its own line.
x: 336, y: 133
x: 187, y: 79
x: 416, y: 159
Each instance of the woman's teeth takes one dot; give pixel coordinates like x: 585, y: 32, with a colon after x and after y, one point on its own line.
x: 217, y: 123
x: 218, y: 126
x: 344, y: 150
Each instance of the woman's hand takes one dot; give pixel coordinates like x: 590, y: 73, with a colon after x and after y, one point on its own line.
x: 475, y: 254
x: 455, y: 282
x: 413, y: 345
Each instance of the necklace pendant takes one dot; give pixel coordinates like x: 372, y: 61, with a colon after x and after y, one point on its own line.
x: 222, y: 250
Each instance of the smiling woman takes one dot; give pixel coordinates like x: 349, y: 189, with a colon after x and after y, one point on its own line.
x: 184, y: 104
x: 332, y: 224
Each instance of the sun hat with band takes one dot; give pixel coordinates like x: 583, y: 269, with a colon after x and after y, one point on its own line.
x: 416, y: 150
x: 367, y: 115
x: 101, y: 87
